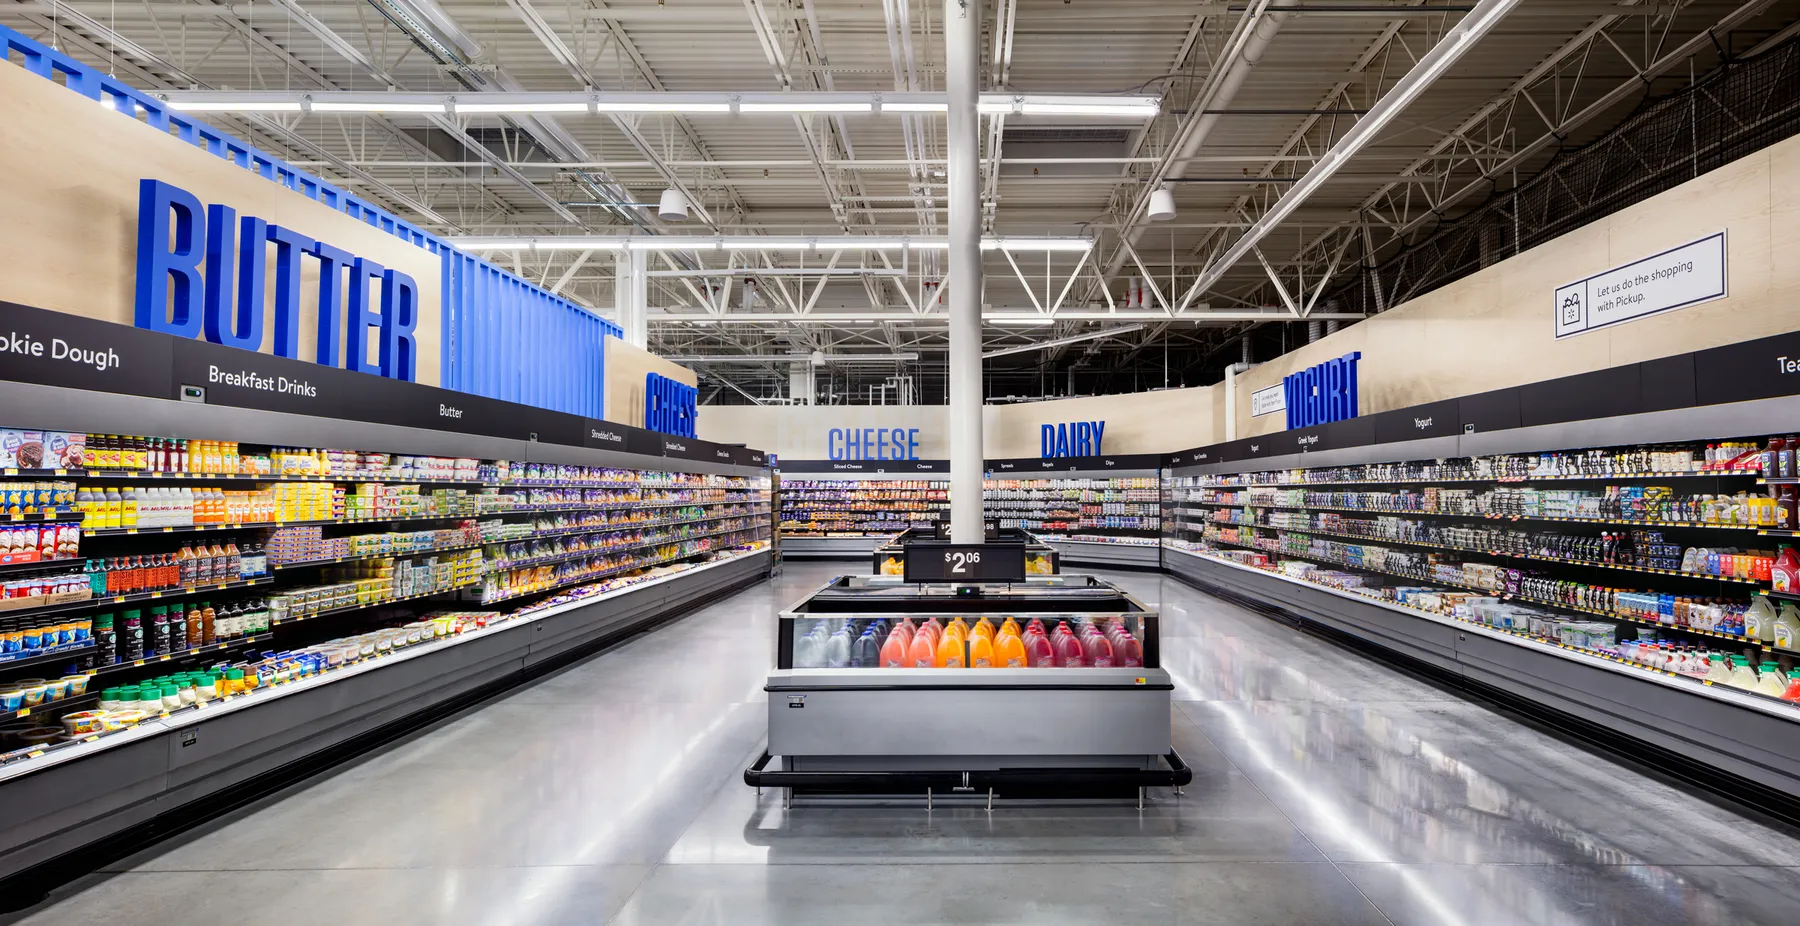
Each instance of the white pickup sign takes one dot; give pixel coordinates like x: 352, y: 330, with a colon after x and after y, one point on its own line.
x: 1679, y: 277
x: 1268, y: 401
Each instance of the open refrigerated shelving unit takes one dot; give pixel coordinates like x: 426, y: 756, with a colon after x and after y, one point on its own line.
x: 534, y: 551
x: 831, y: 509
x: 1096, y: 511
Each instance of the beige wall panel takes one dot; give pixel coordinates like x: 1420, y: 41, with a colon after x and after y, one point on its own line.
x: 803, y: 432
x: 1493, y: 329
x: 70, y: 197
x: 1145, y: 422
x: 626, y: 368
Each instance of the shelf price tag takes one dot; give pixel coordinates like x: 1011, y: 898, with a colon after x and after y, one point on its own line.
x: 23, y: 712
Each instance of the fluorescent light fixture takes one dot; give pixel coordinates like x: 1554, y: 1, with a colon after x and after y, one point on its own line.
x: 521, y: 108
x: 909, y: 106
x: 1036, y: 244
x: 803, y: 106
x: 669, y: 106
x: 236, y: 106
x: 928, y: 245
x: 1058, y: 342
x: 1018, y: 320
x: 570, y: 243
x: 767, y: 244
x: 376, y: 106
x: 1130, y: 107
x: 673, y: 243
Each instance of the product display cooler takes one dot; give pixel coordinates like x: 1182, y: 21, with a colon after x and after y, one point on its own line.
x: 1091, y: 517
x: 184, y: 614
x: 1645, y: 589
x: 844, y: 515
x: 886, y: 686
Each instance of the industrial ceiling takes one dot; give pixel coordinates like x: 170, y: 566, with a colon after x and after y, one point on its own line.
x: 1251, y: 96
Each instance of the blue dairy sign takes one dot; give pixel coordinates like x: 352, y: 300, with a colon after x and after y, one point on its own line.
x: 1322, y: 394
x: 670, y: 406
x: 1071, y: 439
x: 872, y: 443
x: 202, y: 270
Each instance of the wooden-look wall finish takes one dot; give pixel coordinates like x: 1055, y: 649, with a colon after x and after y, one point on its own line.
x: 626, y: 370
x: 70, y: 198
x: 1490, y: 330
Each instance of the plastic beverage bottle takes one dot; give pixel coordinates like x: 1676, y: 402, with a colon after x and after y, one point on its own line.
x: 1070, y: 654
x: 1009, y: 648
x: 893, y: 652
x: 1759, y: 621
x: 1793, y: 688
x: 923, y: 653
x: 1717, y: 671
x: 1039, y: 653
x: 1009, y: 622
x: 983, y: 628
x: 865, y: 653
x: 981, y: 649
x: 1787, y: 626
x: 114, y: 506
x: 1098, y: 650
x: 1742, y: 676
x: 1769, y: 680
x: 837, y: 649
x: 950, y: 649
x: 957, y: 624
x: 1128, y: 652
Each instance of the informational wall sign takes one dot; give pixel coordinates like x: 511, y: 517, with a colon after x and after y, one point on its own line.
x: 1268, y: 401
x: 1674, y: 279
x: 873, y: 443
x: 1322, y: 394
x: 203, y: 270
x: 1071, y: 439
x: 670, y: 406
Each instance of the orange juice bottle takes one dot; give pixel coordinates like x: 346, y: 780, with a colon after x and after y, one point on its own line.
x: 981, y: 650
x: 950, y: 649
x: 983, y: 628
x: 1009, y: 648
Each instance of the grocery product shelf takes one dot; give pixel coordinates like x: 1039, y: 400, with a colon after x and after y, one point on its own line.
x: 46, y: 657
x: 1708, y: 525
x: 1528, y: 557
x: 60, y: 800
x: 1478, y: 480
x: 365, y: 605
x: 100, y: 673
x: 395, y: 519
x: 1698, y: 725
x: 96, y: 601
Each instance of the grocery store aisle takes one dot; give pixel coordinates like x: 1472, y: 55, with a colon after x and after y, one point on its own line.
x: 1329, y: 789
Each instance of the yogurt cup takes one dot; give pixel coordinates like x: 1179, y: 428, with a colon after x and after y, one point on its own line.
x: 56, y: 690
x: 77, y: 685
x: 34, y: 695
x: 11, y: 700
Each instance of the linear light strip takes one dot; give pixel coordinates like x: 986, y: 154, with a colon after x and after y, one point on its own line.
x: 697, y: 243
x: 507, y: 103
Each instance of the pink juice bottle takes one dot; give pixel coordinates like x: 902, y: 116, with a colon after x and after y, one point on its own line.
x: 895, y: 650
x: 923, y: 652
x: 1070, y: 654
x: 1039, y: 653
x: 1099, y: 651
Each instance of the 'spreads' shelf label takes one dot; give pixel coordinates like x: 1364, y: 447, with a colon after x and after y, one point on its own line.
x: 1677, y: 278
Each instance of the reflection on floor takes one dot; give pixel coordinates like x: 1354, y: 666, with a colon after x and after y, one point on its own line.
x: 1328, y: 789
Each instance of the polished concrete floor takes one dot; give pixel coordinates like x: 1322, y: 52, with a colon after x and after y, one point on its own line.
x: 1328, y: 790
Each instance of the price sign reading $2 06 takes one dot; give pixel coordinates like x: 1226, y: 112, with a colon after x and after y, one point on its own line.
x: 964, y: 562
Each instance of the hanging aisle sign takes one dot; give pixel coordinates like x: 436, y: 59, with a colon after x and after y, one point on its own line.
x: 1674, y: 279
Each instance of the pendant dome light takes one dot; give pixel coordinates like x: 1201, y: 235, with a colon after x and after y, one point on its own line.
x: 1162, y: 205
x: 674, y: 206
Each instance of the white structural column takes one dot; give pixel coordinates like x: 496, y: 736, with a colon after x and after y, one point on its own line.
x: 631, y: 296
x: 962, y: 68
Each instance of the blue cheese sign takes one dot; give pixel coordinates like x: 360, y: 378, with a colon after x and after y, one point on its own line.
x: 1679, y: 277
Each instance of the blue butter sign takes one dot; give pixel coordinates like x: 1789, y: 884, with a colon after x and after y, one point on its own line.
x: 1322, y: 394
x: 1071, y: 439
x: 203, y: 270
x: 670, y: 407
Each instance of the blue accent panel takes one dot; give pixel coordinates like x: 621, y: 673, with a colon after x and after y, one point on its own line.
x: 171, y: 227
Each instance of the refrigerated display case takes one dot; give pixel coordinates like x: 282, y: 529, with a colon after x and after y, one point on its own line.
x: 980, y: 666
x: 283, y: 591
x: 1647, y: 589
x: 852, y: 514
x: 1091, y: 517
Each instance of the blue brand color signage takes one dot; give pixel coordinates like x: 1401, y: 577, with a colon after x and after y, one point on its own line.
x: 670, y: 407
x: 1322, y: 394
x: 873, y: 443
x: 201, y: 270
x: 1071, y: 439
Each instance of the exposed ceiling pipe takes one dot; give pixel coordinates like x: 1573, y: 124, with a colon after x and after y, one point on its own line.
x: 1263, y: 24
